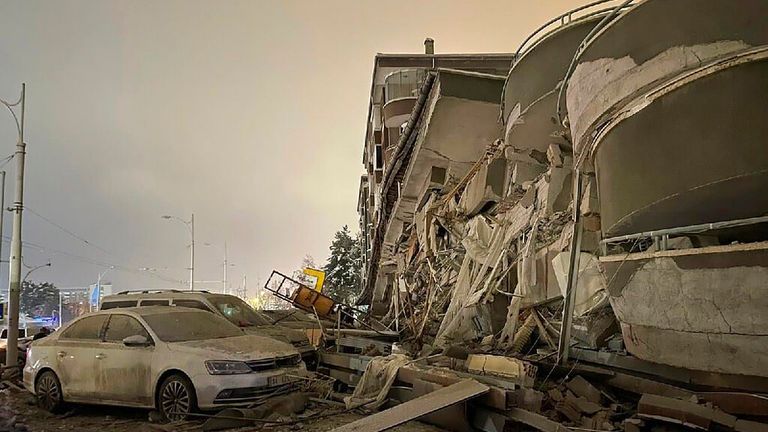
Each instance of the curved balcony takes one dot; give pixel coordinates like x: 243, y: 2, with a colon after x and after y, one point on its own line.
x: 624, y: 57
x: 685, y: 146
x: 403, y: 84
x: 540, y: 68
x: 397, y: 111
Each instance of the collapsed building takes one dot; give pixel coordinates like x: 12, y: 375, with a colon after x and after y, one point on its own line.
x: 663, y: 138
x: 597, y: 195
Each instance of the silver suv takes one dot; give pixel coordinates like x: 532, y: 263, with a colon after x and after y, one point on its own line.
x: 230, y: 307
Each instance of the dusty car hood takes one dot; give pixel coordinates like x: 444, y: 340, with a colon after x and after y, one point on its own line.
x: 246, y: 347
x: 295, y: 337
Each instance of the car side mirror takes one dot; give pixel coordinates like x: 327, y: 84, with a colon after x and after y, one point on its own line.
x: 136, y: 341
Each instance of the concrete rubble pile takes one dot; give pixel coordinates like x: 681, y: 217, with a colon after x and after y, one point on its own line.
x: 561, y: 267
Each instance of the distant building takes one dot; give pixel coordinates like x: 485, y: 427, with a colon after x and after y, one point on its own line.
x: 430, y: 117
x: 75, y: 301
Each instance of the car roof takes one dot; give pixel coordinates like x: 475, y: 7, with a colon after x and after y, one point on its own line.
x: 167, y: 294
x: 150, y: 310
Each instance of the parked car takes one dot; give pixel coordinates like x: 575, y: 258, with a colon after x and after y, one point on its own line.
x: 230, y: 307
x: 174, y: 359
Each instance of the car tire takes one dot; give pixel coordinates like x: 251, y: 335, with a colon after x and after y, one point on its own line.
x: 176, y: 398
x: 48, y: 392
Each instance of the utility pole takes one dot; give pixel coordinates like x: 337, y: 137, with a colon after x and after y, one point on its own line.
x: 14, y: 289
x: 2, y: 218
x: 192, y: 255
x: 226, y: 264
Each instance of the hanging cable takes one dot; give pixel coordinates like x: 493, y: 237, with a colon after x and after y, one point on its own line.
x: 72, y: 234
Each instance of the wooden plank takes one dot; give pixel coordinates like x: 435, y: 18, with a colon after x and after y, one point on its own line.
x: 417, y: 407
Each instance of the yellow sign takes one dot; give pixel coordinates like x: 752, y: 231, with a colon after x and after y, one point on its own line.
x: 319, y: 276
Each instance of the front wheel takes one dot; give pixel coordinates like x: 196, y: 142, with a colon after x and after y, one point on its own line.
x: 176, y: 398
x: 48, y: 392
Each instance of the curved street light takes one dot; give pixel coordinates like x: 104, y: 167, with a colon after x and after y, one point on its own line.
x: 190, y: 224
x: 14, y: 279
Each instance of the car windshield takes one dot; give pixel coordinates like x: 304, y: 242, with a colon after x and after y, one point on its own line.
x: 238, y: 311
x: 190, y: 326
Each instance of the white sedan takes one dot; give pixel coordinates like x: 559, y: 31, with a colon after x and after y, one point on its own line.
x: 171, y: 358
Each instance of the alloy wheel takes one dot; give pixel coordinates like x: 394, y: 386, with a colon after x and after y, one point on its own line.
x: 48, y: 392
x: 175, y: 400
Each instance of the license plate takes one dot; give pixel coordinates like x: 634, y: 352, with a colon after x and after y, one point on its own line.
x: 279, y: 380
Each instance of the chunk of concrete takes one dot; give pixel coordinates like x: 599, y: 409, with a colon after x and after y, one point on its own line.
x: 486, y: 187
x: 555, y: 156
x: 581, y: 387
x: 590, y: 204
x: 591, y: 293
x: 505, y: 367
x: 522, y: 167
x: 554, y: 190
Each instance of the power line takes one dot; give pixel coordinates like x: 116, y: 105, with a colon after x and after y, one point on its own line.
x: 4, y: 161
x: 96, y: 262
x: 69, y: 232
x: 88, y: 243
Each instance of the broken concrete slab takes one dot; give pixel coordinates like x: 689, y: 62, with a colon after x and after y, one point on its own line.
x: 415, y: 408
x: 682, y: 412
x: 452, y: 417
x: 737, y: 403
x: 555, y: 156
x: 591, y: 293
x: 581, y: 387
x: 750, y: 426
x: 486, y: 188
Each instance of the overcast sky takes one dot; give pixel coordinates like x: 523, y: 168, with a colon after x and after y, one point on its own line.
x: 251, y: 114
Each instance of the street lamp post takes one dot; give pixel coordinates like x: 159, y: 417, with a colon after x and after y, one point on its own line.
x: 98, y: 288
x: 191, y: 227
x: 14, y: 273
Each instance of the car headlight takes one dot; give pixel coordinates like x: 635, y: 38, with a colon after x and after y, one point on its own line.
x: 224, y: 367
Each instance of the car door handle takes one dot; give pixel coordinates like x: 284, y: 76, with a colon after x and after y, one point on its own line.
x: 100, y: 356
x: 61, y: 354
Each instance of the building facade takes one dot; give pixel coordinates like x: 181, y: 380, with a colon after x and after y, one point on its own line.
x: 412, y: 142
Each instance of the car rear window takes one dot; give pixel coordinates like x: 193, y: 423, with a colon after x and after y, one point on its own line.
x: 190, y: 326
x: 165, y: 302
x: 194, y: 304
x: 118, y: 304
x: 86, y: 328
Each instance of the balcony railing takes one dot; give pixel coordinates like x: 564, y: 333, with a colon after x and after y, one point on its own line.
x: 403, y: 83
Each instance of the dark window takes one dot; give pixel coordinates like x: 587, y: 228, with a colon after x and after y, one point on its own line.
x: 194, y: 304
x: 86, y: 328
x: 379, y: 157
x: 118, y: 304
x: 22, y: 333
x: 155, y: 302
x: 122, y: 326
